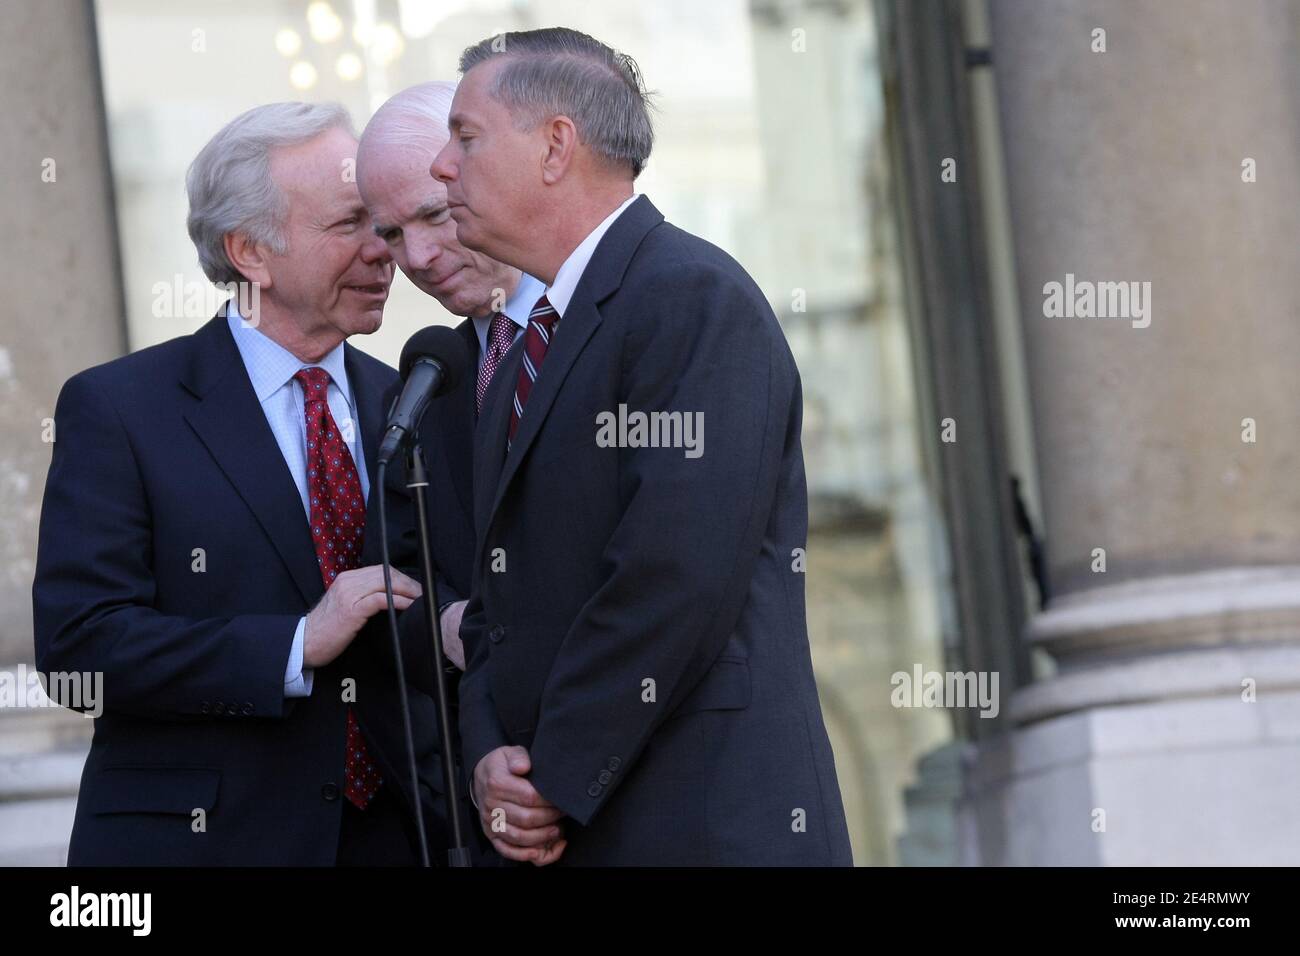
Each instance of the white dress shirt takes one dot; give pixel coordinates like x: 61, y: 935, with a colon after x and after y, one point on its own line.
x: 560, y: 292
x: 271, y: 368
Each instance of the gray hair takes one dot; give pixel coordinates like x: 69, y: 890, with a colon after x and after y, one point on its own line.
x: 410, y: 118
x: 230, y: 185
x: 560, y: 71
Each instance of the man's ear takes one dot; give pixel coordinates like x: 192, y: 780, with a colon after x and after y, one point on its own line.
x: 248, y: 258
x: 561, y: 148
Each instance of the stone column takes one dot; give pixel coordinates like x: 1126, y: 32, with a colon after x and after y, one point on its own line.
x: 62, y: 311
x: 1164, y: 150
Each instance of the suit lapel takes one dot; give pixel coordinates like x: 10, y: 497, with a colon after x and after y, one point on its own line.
x: 580, y: 321
x: 601, y: 278
x: 368, y: 393
x: 231, y: 424
x: 458, y: 420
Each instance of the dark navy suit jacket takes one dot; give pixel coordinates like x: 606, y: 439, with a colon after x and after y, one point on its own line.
x: 157, y: 454
x: 641, y: 629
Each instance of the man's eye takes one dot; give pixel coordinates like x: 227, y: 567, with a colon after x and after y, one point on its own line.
x: 437, y: 218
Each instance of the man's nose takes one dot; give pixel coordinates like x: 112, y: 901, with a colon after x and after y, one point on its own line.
x: 422, y: 248
x: 443, y: 167
x: 374, y: 250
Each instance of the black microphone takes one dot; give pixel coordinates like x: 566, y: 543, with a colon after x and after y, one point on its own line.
x: 434, y: 360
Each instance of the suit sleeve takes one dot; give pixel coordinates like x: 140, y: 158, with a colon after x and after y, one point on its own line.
x: 678, y: 566
x: 94, y: 592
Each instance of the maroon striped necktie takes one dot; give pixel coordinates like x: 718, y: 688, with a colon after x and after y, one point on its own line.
x: 542, y: 322
x: 338, y: 525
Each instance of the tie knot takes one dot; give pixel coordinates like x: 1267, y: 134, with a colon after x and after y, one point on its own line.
x: 314, y: 381
x: 544, y: 313
x: 501, y: 331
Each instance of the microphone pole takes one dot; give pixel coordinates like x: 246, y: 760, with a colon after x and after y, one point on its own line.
x: 417, y: 483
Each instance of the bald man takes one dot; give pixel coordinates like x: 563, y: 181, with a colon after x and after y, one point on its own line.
x: 408, y: 210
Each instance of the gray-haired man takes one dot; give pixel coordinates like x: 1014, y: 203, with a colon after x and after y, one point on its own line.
x: 408, y: 210
x: 640, y: 660
x: 206, y: 541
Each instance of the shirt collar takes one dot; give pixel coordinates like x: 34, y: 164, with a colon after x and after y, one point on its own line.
x: 517, y: 307
x: 561, y: 290
x: 270, y: 365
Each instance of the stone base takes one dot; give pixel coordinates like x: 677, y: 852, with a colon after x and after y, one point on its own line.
x: 1205, y: 781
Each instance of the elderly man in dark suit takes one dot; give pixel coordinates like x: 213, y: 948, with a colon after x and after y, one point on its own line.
x: 207, y: 541
x: 639, y: 688
x: 408, y: 210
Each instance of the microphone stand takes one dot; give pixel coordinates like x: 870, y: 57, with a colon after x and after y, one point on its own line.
x: 417, y: 482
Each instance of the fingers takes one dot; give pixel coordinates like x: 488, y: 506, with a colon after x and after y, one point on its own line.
x: 377, y: 601
x: 402, y: 583
x: 517, y: 760
x: 505, y: 788
x: 550, y: 854
x: 524, y: 836
x: 522, y: 818
x: 519, y: 854
x: 540, y: 855
x: 370, y: 579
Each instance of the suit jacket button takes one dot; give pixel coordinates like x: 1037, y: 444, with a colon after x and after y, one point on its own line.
x: 330, y: 791
x: 614, y: 764
x: 594, y: 789
x: 219, y: 707
x: 497, y: 634
x: 605, y: 776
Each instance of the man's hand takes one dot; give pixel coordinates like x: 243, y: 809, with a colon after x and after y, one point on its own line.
x: 451, y: 645
x: 348, y: 603
x: 530, y: 830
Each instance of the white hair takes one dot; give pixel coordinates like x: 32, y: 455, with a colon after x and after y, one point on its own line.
x: 410, y: 119
x: 230, y: 186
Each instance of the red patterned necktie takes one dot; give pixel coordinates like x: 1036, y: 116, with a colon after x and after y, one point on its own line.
x: 541, y: 326
x: 338, y: 523
x: 501, y: 335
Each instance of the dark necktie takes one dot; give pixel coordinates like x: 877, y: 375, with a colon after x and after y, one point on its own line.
x: 501, y: 335
x: 537, y: 340
x: 338, y: 524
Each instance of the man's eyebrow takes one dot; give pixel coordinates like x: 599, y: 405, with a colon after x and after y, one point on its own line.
x: 357, y: 209
x: 434, y: 207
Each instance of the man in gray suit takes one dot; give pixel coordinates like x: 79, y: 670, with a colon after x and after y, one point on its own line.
x: 638, y: 688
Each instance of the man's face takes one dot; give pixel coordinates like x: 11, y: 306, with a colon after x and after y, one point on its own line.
x: 335, y: 272
x: 492, y: 170
x: 408, y: 210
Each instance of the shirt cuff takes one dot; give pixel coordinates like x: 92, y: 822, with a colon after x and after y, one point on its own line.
x: 297, y: 680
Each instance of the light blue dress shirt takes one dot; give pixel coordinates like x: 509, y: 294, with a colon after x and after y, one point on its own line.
x: 271, y: 368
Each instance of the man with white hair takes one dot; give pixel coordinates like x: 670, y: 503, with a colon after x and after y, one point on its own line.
x: 207, y: 545
x: 408, y: 210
